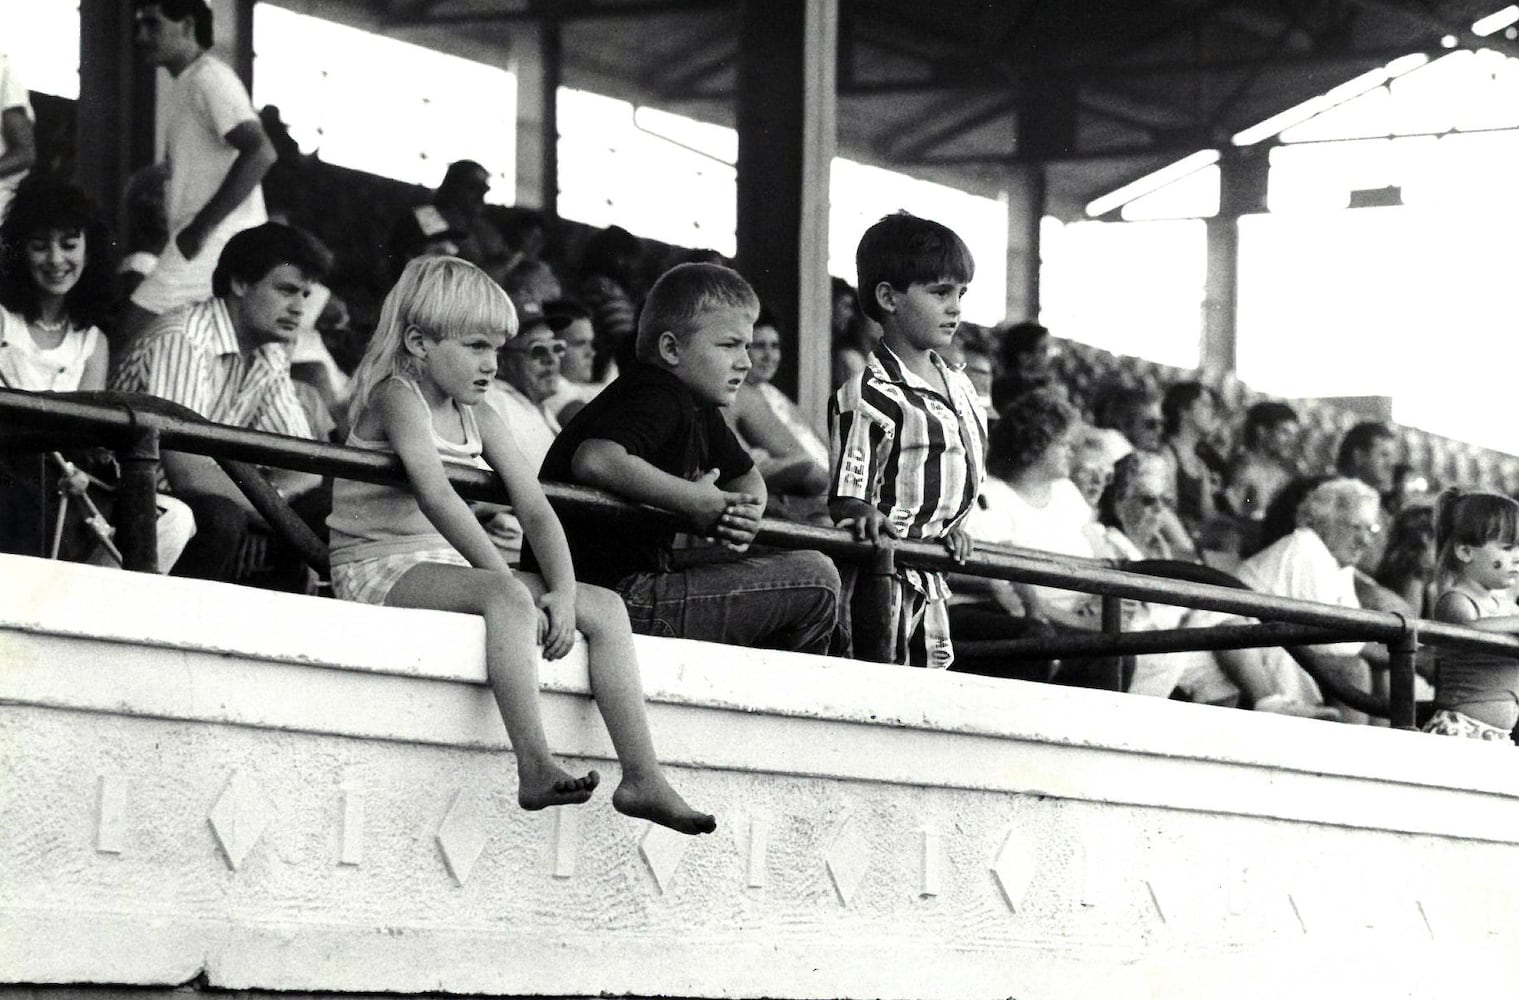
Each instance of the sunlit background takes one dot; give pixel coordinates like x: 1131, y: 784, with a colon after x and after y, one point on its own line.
x: 1406, y: 299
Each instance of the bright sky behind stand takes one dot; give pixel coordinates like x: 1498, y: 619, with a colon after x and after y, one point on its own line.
x: 1333, y: 300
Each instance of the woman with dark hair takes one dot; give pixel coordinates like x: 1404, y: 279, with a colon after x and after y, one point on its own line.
x: 55, y: 288
x: 1029, y: 501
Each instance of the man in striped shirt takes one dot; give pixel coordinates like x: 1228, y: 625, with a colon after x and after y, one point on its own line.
x: 226, y: 359
x: 908, y: 434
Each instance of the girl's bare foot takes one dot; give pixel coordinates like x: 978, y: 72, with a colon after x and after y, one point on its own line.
x: 653, y: 799
x: 548, y: 784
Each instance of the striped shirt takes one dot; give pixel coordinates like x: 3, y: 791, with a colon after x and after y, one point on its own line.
x: 190, y: 356
x: 918, y: 456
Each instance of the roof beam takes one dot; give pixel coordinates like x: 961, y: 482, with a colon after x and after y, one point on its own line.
x: 915, y: 145
x: 1225, y: 108
x: 1428, y: 20
x: 567, y: 10
x: 686, y: 83
x: 1168, y: 151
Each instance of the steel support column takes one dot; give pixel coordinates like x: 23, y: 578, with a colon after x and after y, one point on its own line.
x: 786, y: 141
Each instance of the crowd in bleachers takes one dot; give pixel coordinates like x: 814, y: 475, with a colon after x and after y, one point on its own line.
x: 661, y: 392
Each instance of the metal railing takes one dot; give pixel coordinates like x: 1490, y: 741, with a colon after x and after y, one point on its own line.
x: 138, y: 428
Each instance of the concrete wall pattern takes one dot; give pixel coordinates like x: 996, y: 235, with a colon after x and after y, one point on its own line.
x: 280, y: 823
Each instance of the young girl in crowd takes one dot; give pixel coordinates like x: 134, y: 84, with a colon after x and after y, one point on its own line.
x: 1477, y: 693
x: 415, y: 393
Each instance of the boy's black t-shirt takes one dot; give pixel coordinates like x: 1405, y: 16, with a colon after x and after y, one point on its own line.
x: 655, y: 417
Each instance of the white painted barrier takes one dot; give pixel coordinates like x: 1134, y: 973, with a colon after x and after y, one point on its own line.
x: 284, y: 793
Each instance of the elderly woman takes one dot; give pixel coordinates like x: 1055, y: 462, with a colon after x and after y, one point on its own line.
x: 1336, y: 523
x: 1138, y: 514
x: 1138, y: 511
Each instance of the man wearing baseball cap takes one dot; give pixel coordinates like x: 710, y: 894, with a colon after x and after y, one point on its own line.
x: 527, y: 374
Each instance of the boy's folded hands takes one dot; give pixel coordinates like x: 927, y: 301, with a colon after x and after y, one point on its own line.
x: 730, y: 518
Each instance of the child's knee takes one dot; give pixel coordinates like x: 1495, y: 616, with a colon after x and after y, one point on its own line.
x: 601, y: 612
x: 507, y: 595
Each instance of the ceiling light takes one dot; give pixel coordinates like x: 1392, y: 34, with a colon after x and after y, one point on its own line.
x: 1281, y: 121
x: 1406, y: 64
x: 1153, y: 181
x: 1496, y: 21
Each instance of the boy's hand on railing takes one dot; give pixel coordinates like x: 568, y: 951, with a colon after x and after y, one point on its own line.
x: 959, y: 544
x: 708, y: 503
x: 863, y: 521
x: 736, y: 528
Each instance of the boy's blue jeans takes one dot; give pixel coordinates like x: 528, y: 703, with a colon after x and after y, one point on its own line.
x: 778, y: 600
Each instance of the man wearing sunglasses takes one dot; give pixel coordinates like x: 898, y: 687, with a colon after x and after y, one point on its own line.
x: 527, y: 374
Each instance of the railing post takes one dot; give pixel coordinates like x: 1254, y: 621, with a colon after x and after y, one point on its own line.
x: 1402, y: 651
x: 1112, y: 624
x: 137, y: 501
x: 874, y: 607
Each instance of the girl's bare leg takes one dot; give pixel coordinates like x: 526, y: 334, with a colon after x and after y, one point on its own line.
x: 511, y: 663
x: 615, y: 684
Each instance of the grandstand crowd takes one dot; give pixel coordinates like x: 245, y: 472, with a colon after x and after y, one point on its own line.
x: 228, y: 304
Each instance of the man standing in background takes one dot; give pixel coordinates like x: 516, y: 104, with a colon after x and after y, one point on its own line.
x: 216, y: 152
x: 17, y: 141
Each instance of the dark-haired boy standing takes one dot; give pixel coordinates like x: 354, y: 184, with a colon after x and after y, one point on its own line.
x: 908, y: 438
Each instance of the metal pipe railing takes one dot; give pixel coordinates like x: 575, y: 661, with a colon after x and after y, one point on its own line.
x: 119, y: 418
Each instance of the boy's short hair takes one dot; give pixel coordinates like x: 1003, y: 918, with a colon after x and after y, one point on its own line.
x: 178, y: 10
x: 683, y: 295
x: 902, y: 249
x: 253, y: 253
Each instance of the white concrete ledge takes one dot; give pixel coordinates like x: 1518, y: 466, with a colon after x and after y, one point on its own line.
x: 247, y: 657
x: 294, y: 794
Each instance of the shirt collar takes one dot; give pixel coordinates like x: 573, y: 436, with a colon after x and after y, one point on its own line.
x: 223, y: 336
x: 223, y: 339
x: 884, y: 364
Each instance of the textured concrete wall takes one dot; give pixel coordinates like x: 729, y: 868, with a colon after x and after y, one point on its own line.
x: 281, y: 793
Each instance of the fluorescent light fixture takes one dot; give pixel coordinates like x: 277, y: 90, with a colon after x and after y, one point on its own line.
x: 1153, y: 181
x: 1356, y: 86
x: 1496, y: 21
x: 1352, y: 88
x: 1406, y: 64
x: 1281, y: 121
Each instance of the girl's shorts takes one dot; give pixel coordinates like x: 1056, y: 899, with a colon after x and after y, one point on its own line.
x: 1448, y: 723
x: 368, y: 581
